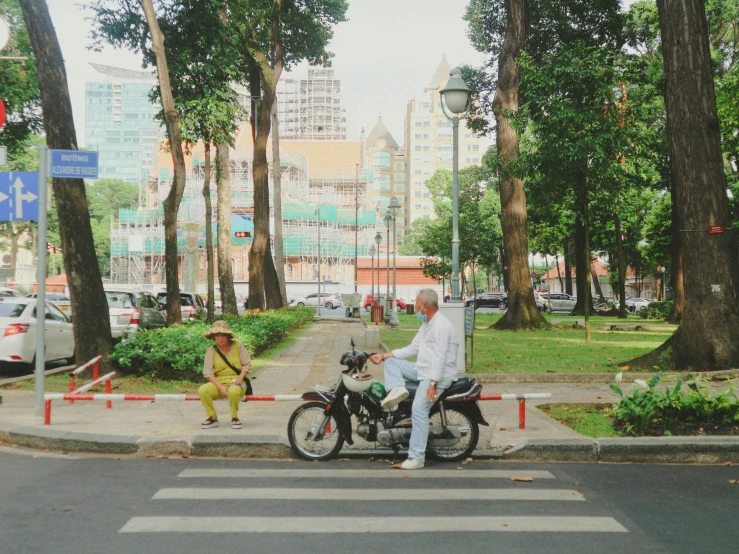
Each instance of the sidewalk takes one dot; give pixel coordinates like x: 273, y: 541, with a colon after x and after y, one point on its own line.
x: 172, y: 427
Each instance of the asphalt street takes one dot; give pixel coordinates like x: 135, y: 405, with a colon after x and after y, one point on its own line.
x: 59, y: 503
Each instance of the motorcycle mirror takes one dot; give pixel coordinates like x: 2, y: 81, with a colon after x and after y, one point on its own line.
x: 353, y: 345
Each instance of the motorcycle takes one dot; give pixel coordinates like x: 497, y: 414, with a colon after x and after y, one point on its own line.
x: 318, y: 429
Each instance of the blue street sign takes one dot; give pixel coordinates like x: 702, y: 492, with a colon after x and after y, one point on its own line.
x: 18, y: 196
x: 74, y: 164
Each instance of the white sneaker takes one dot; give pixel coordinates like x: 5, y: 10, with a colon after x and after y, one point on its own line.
x: 411, y: 463
x: 394, y: 397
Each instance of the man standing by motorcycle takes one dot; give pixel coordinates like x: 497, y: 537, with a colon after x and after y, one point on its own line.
x: 435, y: 346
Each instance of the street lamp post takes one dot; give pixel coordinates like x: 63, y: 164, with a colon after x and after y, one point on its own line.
x: 387, y: 220
x: 378, y: 242
x: 394, y: 208
x: 372, y: 272
x: 318, y: 214
x: 356, y: 225
x: 456, y: 94
x: 664, y: 287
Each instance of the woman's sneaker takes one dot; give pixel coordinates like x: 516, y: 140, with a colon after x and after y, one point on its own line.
x: 209, y: 423
x: 394, y: 397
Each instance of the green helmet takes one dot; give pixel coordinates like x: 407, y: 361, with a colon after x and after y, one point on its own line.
x: 376, y: 391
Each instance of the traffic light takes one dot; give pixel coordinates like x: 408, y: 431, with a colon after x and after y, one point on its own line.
x: 242, y: 234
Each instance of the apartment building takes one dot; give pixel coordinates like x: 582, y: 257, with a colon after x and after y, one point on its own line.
x: 120, y: 124
x: 387, y: 168
x: 428, y: 142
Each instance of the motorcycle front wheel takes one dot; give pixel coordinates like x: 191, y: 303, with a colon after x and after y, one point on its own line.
x: 303, y: 426
x: 466, y: 444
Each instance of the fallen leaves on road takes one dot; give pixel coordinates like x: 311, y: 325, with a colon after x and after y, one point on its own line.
x: 727, y: 464
x: 460, y: 467
x: 467, y: 461
x: 150, y: 456
x: 503, y: 524
x: 504, y: 429
x: 523, y: 479
x: 734, y: 481
x: 601, y: 397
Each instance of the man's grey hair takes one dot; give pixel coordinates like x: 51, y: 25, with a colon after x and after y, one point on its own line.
x: 429, y: 296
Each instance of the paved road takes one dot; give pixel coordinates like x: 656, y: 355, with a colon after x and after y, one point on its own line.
x: 62, y: 504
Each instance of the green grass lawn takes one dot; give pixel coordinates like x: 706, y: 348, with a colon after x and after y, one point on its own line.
x: 557, y: 350
x: 590, y: 420
x: 143, y: 385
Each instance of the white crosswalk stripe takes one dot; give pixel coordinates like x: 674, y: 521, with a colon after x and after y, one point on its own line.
x: 365, y: 494
x: 357, y: 490
x: 553, y: 524
x: 238, y: 473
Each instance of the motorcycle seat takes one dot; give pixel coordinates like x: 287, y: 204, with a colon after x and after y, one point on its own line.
x: 460, y: 385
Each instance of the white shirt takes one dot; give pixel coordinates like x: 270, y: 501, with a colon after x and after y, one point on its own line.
x: 436, y: 346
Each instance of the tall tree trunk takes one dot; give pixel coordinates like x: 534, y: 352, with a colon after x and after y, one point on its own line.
x: 522, y: 311
x: 596, y: 281
x: 504, y: 265
x: 568, y: 267
x: 269, y: 296
x: 225, y: 265
x: 210, y: 270
x: 582, y: 248
x: 699, y: 185
x: 172, y: 202
x: 678, y: 285
x: 621, y: 270
x: 92, y: 323
x: 559, y: 274
x: 277, y: 203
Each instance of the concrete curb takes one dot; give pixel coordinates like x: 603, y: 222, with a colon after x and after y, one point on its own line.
x: 642, y: 450
x: 656, y: 450
x: 592, y: 378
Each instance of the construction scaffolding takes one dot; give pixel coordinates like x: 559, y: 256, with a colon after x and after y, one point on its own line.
x: 310, y: 109
x: 344, y: 197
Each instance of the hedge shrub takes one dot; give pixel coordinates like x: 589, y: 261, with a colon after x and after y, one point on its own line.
x: 656, y: 310
x: 178, y: 352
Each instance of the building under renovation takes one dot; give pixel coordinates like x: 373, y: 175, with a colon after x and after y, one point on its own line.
x: 337, y: 199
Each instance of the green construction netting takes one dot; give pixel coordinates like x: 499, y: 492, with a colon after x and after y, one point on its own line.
x: 343, y: 216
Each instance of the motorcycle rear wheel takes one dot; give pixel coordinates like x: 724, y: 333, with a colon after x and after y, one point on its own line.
x: 466, y: 444
x: 307, y: 418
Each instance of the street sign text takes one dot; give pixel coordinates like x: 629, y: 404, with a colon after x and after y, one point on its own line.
x: 74, y: 164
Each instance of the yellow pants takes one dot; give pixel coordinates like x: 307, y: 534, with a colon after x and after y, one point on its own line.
x: 209, y: 392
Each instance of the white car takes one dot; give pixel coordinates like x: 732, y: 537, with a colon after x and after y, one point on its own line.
x: 561, y: 302
x: 329, y: 300
x: 18, y: 332
x: 636, y: 304
x: 8, y: 292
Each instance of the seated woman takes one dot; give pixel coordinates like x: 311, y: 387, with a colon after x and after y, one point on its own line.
x: 226, y: 365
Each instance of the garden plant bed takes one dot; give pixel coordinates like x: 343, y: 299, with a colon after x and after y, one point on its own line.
x: 596, y: 421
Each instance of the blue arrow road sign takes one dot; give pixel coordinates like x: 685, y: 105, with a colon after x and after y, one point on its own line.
x: 74, y: 164
x: 18, y: 196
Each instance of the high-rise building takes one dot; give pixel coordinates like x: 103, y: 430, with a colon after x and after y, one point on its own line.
x: 428, y: 142
x: 120, y: 124
x: 310, y: 108
x: 387, y: 167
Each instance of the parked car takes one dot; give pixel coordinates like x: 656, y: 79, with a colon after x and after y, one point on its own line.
x: 133, y: 310
x: 368, y: 302
x: 60, y: 300
x: 329, y: 300
x: 497, y: 300
x: 8, y: 292
x: 561, y: 302
x: 190, y: 304
x: 18, y: 332
x: 636, y: 304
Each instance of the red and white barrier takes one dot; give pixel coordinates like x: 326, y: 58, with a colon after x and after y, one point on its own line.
x: 522, y: 398
x: 76, y: 396
x: 95, y: 363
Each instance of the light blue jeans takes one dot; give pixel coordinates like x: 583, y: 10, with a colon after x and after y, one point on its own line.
x: 397, y: 372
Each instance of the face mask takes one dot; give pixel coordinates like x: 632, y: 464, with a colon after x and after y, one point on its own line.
x: 421, y: 316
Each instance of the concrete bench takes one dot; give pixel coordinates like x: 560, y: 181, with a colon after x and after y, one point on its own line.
x: 626, y: 327
x: 555, y: 321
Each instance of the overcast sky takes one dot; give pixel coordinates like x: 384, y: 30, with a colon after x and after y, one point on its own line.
x: 384, y: 55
